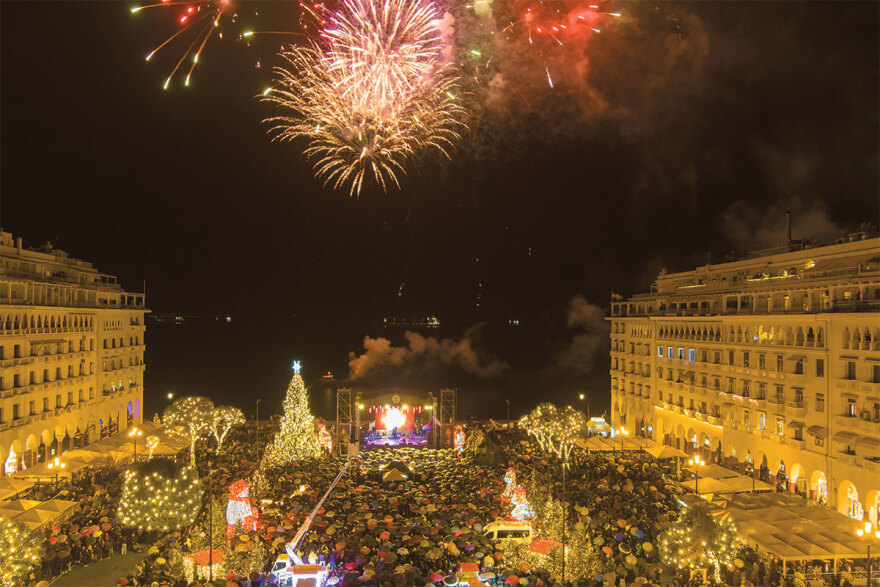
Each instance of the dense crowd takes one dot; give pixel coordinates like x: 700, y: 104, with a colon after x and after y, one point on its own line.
x: 415, y: 531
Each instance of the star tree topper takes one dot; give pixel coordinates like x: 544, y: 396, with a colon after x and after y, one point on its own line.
x: 296, y: 367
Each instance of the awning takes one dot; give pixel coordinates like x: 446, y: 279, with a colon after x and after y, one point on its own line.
x: 795, y: 358
x: 869, y: 445
x: 728, y: 405
x: 817, y: 431
x: 795, y: 424
x: 846, y: 437
x: 50, y: 341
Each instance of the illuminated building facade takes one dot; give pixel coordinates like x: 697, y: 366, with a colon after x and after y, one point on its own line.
x: 769, y: 363
x: 71, y: 354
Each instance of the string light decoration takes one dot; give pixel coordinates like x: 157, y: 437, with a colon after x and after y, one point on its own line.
x: 190, y: 418
x: 296, y: 437
x: 581, y: 560
x: 509, y: 483
x: 522, y: 509
x: 224, y: 419
x: 152, y: 443
x: 20, y: 551
x: 697, y: 540
x: 159, y: 495
x: 474, y: 438
x: 239, y: 511
x: 458, y: 439
x: 555, y: 430
x: 198, y: 565
x: 325, y: 439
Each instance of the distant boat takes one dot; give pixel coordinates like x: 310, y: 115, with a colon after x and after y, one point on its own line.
x: 328, y: 378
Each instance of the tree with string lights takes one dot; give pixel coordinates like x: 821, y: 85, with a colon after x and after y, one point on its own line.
x: 555, y: 430
x: 698, y: 540
x: 296, y: 437
x: 159, y: 495
x: 224, y: 419
x: 20, y: 551
x: 191, y: 418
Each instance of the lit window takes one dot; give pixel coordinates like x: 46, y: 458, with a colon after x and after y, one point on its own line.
x: 669, y: 352
x: 660, y: 351
x: 692, y: 354
x: 680, y: 354
x: 762, y: 421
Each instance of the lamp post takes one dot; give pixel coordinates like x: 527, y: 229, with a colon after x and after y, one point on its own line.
x: 57, y: 465
x: 257, y: 426
x: 696, y: 463
x: 621, y: 432
x: 508, y: 411
x: 134, y: 434
x: 564, y: 454
x: 868, y: 534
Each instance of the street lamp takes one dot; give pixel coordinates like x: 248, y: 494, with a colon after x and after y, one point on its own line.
x: 868, y: 534
x: 583, y: 397
x: 170, y: 395
x: 134, y: 434
x: 621, y: 432
x: 57, y: 465
x: 696, y: 463
x: 508, y: 411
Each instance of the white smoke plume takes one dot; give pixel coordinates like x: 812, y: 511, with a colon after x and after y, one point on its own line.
x: 424, y: 354
x: 750, y: 228
x: 590, y: 340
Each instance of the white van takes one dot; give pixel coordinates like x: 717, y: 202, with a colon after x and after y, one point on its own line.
x: 519, y: 532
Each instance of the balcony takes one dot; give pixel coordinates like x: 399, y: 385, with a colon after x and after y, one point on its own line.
x: 845, y: 421
x: 872, y: 466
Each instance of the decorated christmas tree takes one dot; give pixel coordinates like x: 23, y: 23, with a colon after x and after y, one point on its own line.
x: 296, y: 438
x: 698, y: 540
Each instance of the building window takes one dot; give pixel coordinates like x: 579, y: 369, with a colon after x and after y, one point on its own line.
x: 745, y: 359
x: 670, y: 352
x: 780, y: 426
x: 32, y: 406
x: 761, y: 391
x: 45, y: 404
x: 851, y: 408
x: 730, y: 358
x: 746, y: 388
x: 69, y: 397
x: 731, y: 385
x: 798, y: 398
x: 692, y: 355
x: 780, y: 363
x: 716, y: 383
x: 850, y: 369
x: 745, y: 418
x: 762, y: 421
x: 762, y: 361
x: 780, y: 395
x: 680, y: 354
x: 91, y: 393
x: 704, y: 356
x: 58, y: 400
x: 15, y: 412
x: 820, y: 367
x: 820, y: 402
x: 660, y: 351
x: 875, y: 373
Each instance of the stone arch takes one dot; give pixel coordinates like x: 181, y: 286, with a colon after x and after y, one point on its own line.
x: 797, y: 471
x: 811, y: 337
x: 715, y: 443
x: 848, y: 502
x: 799, y: 337
x: 846, y: 337
x: 731, y: 334
x: 739, y: 334
x: 820, y: 337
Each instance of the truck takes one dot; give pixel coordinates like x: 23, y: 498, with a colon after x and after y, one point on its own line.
x: 289, y: 569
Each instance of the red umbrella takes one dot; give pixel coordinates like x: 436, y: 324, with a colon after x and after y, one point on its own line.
x: 513, y: 580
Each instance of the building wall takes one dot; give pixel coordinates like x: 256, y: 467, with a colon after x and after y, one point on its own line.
x: 71, y: 355
x: 783, y: 375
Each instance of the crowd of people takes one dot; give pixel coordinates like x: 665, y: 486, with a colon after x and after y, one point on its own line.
x: 415, y: 530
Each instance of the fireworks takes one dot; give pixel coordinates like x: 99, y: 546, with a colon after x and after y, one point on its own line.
x: 197, y: 21
x: 370, y: 93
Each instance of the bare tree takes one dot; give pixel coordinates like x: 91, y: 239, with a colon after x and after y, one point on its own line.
x: 223, y: 419
x: 191, y: 418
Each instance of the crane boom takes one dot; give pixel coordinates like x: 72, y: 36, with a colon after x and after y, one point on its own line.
x: 293, y: 545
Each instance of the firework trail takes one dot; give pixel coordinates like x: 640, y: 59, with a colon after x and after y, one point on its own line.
x: 197, y: 21
x: 370, y: 93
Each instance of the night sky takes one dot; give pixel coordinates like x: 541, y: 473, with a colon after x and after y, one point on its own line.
x: 690, y: 129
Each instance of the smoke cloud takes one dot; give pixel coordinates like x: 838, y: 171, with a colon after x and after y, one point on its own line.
x: 420, y: 353
x: 751, y: 227
x: 590, y: 340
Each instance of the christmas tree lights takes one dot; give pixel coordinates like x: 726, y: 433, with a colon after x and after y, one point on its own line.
x: 555, y: 430
x: 224, y: 419
x: 191, y: 418
x: 697, y: 540
x: 296, y: 438
x: 159, y: 495
x: 20, y: 551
